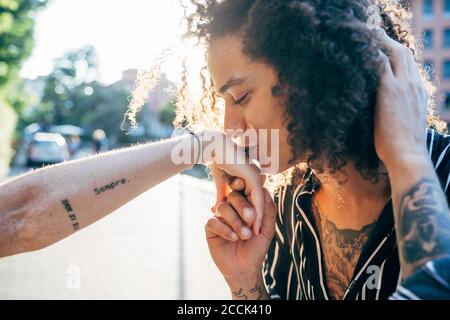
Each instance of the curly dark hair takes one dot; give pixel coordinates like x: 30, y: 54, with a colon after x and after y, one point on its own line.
x: 327, y: 61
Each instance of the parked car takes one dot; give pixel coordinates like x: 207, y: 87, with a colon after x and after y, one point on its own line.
x: 47, y: 148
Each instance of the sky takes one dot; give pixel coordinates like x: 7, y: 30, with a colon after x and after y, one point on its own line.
x: 126, y: 33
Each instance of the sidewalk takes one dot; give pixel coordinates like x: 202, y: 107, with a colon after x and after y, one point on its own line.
x: 147, y: 249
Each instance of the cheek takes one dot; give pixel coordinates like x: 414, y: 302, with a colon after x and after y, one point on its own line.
x: 264, y: 113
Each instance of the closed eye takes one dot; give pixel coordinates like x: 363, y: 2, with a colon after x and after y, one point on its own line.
x: 241, y: 100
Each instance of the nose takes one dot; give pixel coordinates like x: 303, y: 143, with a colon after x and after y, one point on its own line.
x: 234, y: 122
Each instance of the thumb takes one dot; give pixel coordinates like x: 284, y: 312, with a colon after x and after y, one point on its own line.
x: 270, y: 214
x: 251, y: 174
x: 257, y: 197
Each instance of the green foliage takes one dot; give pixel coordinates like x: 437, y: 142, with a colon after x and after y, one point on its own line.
x: 8, y: 120
x: 16, y: 35
x: 72, y: 95
x: 167, y: 113
x: 16, y: 43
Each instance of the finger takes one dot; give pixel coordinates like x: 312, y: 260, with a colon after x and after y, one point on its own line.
x: 232, y: 218
x: 399, y: 55
x: 385, y: 69
x: 253, y: 188
x: 238, y: 184
x: 248, y: 171
x: 221, y: 181
x: 269, y: 218
x: 215, y: 227
x: 257, y: 199
x: 244, y: 208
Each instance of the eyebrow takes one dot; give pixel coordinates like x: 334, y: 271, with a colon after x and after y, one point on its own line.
x: 231, y: 83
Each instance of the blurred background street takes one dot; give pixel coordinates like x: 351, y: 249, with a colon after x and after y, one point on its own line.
x: 67, y: 69
x: 152, y: 248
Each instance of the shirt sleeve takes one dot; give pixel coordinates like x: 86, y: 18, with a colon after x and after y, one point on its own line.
x: 431, y: 282
x: 278, y: 260
x: 438, y: 146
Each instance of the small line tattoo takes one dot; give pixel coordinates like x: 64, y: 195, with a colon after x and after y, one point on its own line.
x: 71, y: 214
x: 256, y: 289
x: 67, y: 205
x: 240, y: 294
x: 111, y: 186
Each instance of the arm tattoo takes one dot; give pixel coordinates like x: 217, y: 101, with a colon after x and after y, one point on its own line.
x: 71, y: 214
x: 239, y: 294
x: 256, y: 290
x: 110, y: 186
x: 424, y: 223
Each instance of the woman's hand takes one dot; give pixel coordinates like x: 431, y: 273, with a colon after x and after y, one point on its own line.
x: 229, y: 162
x: 400, y: 115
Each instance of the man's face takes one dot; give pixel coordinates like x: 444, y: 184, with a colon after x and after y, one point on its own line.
x: 246, y: 87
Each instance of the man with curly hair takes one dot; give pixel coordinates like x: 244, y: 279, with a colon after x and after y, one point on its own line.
x: 314, y: 70
x: 369, y: 209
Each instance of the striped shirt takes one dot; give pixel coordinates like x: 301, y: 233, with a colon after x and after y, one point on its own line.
x: 294, y: 267
x: 431, y: 282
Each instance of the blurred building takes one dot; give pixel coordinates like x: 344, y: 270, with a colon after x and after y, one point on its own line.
x: 431, y: 25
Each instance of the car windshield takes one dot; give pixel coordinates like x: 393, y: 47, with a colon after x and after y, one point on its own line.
x: 47, y: 146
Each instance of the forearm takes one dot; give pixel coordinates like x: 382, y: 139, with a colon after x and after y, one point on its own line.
x: 47, y: 205
x: 420, y: 210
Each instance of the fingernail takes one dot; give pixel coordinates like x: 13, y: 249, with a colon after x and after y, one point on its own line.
x: 234, y: 236
x: 248, y: 213
x: 213, y: 209
x: 246, y: 232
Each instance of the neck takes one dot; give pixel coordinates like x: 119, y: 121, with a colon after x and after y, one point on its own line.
x: 349, y: 200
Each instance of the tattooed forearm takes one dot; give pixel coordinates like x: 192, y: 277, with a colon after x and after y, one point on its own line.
x: 71, y: 214
x: 255, y: 293
x: 423, y: 223
x: 110, y: 186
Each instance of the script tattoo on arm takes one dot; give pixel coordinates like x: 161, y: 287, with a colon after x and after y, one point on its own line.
x: 111, y: 186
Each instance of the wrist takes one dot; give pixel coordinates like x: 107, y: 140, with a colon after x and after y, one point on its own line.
x: 249, y: 286
x: 406, y: 160
x: 408, y: 169
x: 211, y: 141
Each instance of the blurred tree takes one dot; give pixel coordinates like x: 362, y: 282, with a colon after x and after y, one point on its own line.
x: 72, y: 95
x: 16, y: 42
x: 167, y: 113
x: 67, y: 85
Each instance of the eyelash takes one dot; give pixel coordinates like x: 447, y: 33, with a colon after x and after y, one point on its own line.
x: 241, y: 100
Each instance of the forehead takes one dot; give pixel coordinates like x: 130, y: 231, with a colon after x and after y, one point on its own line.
x: 226, y: 60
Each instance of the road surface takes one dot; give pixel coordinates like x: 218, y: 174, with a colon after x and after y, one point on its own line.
x: 151, y: 248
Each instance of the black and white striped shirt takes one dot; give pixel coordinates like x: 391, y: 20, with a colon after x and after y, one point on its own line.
x: 293, y: 268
